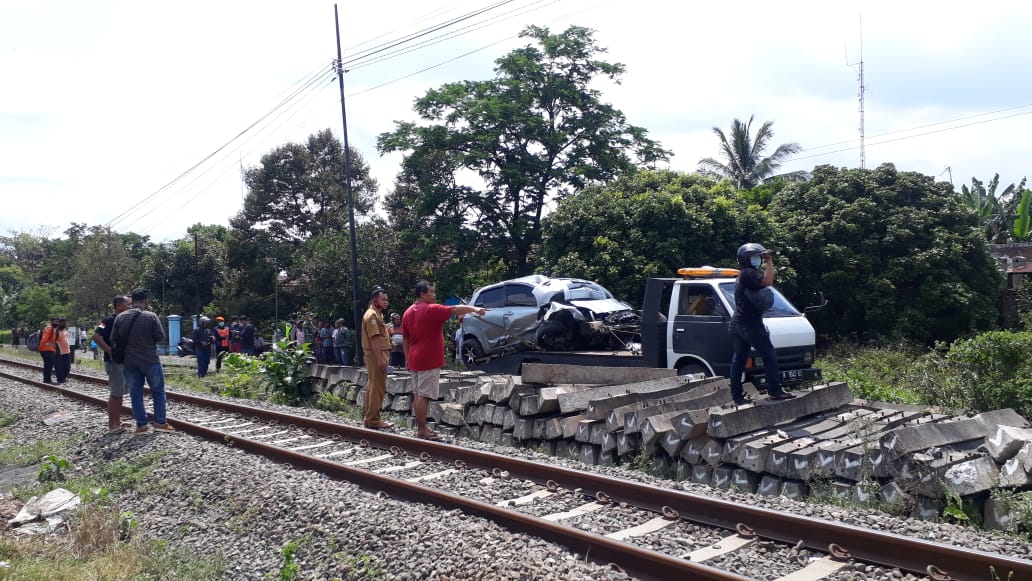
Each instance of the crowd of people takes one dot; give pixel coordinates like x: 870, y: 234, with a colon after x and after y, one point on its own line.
x: 330, y: 344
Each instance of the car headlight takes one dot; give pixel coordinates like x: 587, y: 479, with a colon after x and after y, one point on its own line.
x: 808, y: 357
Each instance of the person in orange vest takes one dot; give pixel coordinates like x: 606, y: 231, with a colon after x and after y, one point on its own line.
x: 48, y: 348
x: 63, y: 358
x: 222, y: 343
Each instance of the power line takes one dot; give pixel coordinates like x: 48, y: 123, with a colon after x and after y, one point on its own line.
x: 421, y: 33
x: 912, y: 136
x: 121, y: 217
x: 453, y: 34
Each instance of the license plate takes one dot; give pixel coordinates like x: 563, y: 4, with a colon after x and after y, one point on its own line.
x: 793, y: 374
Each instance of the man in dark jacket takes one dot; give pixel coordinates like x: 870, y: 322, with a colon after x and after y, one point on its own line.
x: 116, y: 378
x: 747, y: 328
x: 203, y: 341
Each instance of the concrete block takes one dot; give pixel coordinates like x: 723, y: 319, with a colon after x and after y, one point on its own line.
x: 1024, y: 456
x: 539, y: 431
x: 893, y: 493
x: 853, y: 462
x: 607, y: 459
x: 754, y: 453
x: 397, y: 383
x: 795, y: 489
x: 800, y: 462
x: 691, y: 423
x: 726, y: 423
x: 692, y: 450
x: 590, y: 454
x: 662, y: 464
x: 580, y: 400
x: 926, y: 508
x: 733, y: 446
x: 1006, y: 442
x: 909, y: 439
x: 507, y: 439
x: 964, y: 478
x: 486, y: 413
x: 571, y: 424
x: 583, y: 430
x: 627, y: 444
x: 556, y: 373
x: 402, y: 403
x: 672, y: 443
x: 608, y: 441
x: 1003, y: 514
x: 827, y: 456
x: 1014, y: 475
x: 778, y: 459
x: 842, y: 490
x: 702, y: 474
x: 769, y: 486
x: 865, y: 492
x: 722, y: 476
x: 712, y: 452
x: 746, y: 480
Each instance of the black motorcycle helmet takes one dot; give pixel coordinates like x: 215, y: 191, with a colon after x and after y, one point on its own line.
x: 746, y: 251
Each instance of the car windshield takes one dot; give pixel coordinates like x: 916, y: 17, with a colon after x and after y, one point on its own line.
x: 580, y: 290
x: 781, y: 308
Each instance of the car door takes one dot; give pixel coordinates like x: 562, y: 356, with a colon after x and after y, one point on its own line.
x: 488, y: 329
x: 699, y: 327
x: 520, y: 315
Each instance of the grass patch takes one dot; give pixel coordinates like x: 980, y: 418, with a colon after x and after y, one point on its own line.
x: 29, y: 454
x: 882, y: 373
x: 37, y: 559
x: 7, y: 419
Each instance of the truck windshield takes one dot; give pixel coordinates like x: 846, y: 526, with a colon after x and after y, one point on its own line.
x: 781, y: 308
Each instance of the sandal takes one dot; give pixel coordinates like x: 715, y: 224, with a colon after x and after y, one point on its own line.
x: 432, y: 436
x: 381, y: 426
x: 166, y: 427
x: 118, y: 430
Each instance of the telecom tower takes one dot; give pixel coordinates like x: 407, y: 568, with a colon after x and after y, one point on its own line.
x: 859, y: 67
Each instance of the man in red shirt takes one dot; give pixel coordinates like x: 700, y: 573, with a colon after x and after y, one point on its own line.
x: 422, y: 330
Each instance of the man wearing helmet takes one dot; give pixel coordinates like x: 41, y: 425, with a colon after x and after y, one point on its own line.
x: 747, y: 328
x: 203, y: 340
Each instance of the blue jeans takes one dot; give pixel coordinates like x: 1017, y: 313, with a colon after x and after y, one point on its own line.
x: 203, y: 359
x: 758, y: 338
x: 344, y: 355
x: 155, y: 376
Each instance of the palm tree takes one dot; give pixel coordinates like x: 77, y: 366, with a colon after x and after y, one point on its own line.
x: 742, y: 154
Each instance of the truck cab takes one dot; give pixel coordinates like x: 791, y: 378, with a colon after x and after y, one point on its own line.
x: 692, y: 335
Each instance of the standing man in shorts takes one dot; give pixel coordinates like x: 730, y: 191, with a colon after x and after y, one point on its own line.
x: 422, y: 329
x: 116, y: 380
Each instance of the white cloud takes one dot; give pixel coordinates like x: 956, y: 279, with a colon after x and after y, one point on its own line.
x: 106, y: 102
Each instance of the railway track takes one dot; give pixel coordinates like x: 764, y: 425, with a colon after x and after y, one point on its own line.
x: 647, y: 531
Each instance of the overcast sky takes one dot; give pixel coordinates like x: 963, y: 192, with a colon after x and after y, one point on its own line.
x: 104, y: 103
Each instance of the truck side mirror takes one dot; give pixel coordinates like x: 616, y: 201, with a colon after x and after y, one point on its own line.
x: 821, y: 303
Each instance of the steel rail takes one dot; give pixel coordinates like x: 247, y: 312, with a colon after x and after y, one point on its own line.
x: 636, y: 561
x: 941, y: 561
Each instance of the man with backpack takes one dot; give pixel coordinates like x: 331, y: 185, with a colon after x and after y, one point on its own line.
x: 135, y: 338
x: 116, y: 378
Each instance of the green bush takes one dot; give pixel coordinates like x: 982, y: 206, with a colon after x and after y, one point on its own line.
x: 991, y: 371
x: 881, y: 373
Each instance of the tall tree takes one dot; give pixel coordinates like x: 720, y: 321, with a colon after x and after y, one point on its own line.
x: 896, y: 253
x: 101, y: 267
x: 742, y: 154
x: 299, y: 190
x: 534, y: 133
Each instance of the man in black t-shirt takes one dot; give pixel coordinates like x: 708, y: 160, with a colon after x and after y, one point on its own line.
x: 747, y: 328
x: 116, y: 380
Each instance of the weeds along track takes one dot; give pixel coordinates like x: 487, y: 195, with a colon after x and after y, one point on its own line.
x: 647, y: 531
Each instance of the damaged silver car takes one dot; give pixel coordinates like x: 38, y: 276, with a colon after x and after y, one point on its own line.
x: 541, y: 313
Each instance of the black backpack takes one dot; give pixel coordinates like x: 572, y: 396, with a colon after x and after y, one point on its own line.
x: 32, y: 341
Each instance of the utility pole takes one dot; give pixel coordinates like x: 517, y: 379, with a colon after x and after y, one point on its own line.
x: 356, y: 301
x: 196, y: 280
x: 860, y: 94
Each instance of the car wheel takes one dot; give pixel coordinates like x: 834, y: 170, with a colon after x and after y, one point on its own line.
x: 689, y: 368
x: 471, y: 351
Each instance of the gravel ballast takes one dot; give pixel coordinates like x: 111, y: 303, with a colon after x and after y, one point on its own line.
x: 219, y: 501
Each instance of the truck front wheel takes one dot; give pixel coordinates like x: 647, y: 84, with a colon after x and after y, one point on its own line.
x: 687, y: 368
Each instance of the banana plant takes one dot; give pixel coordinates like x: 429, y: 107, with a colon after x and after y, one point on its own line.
x: 1023, y: 222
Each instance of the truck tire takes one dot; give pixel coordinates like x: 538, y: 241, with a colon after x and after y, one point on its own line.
x: 686, y: 368
x: 471, y: 351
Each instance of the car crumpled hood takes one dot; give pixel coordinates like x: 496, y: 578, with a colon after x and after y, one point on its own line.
x: 602, y: 305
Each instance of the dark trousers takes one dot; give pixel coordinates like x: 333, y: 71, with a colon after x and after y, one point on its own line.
x: 329, y: 355
x: 62, y: 366
x: 397, y: 359
x: 756, y: 337
x: 48, y: 364
x: 220, y: 352
x: 203, y: 359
